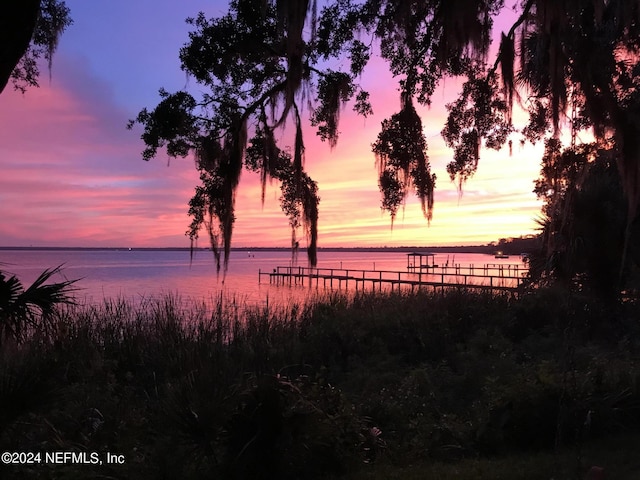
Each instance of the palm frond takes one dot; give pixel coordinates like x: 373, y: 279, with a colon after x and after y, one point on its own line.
x: 24, y: 309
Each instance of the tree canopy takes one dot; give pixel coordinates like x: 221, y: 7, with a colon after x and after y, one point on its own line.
x: 571, y: 63
x: 29, y: 31
x: 583, y: 222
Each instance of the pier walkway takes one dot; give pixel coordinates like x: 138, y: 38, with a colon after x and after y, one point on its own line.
x: 491, y: 277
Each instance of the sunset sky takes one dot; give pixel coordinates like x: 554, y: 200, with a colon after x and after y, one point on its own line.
x: 72, y: 174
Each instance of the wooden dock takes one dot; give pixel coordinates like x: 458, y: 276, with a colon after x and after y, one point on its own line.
x: 488, y: 277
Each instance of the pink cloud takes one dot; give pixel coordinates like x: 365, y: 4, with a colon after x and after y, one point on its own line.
x: 73, y: 175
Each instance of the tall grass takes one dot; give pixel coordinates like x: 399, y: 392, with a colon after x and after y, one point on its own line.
x: 187, y: 390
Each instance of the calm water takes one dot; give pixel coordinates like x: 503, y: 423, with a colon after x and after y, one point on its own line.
x: 143, y: 274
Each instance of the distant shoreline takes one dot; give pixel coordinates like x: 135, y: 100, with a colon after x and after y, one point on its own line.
x: 407, y: 249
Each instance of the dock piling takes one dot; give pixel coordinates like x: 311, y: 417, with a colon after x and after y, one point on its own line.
x: 491, y: 277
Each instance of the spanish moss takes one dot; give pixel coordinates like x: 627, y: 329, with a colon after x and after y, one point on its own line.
x: 402, y: 160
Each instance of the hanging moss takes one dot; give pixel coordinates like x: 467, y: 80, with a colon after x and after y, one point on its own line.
x: 29, y: 30
x: 265, y: 58
x: 334, y: 89
x: 401, y: 156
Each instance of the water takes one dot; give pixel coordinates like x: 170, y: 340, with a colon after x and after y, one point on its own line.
x: 137, y: 275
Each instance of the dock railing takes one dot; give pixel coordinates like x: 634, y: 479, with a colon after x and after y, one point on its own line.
x: 506, y: 277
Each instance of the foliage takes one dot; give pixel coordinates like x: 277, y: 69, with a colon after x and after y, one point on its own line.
x: 299, y: 199
x: 403, y: 162
x: 584, y: 221
x: 25, y: 311
x: 25, y: 385
x: 480, y: 113
x: 342, y: 386
x: 613, y: 454
x: 258, y: 63
x: 253, y: 63
x: 30, y: 32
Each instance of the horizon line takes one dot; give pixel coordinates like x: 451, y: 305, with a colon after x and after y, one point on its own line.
x: 242, y: 248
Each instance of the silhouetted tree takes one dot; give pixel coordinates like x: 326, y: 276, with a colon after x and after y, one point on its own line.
x: 258, y: 65
x: 29, y: 30
x: 563, y: 59
x: 583, y: 221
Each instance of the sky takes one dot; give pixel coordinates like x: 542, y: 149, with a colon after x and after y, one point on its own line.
x: 73, y: 175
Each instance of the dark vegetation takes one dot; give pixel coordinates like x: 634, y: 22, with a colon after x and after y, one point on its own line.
x: 571, y: 65
x: 516, y: 245
x: 454, y: 385
x: 365, y: 387
x: 588, y: 242
x: 29, y: 32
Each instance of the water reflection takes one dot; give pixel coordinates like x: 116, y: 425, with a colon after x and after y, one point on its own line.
x: 140, y: 275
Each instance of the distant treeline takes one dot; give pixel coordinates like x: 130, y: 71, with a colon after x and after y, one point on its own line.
x: 513, y: 246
